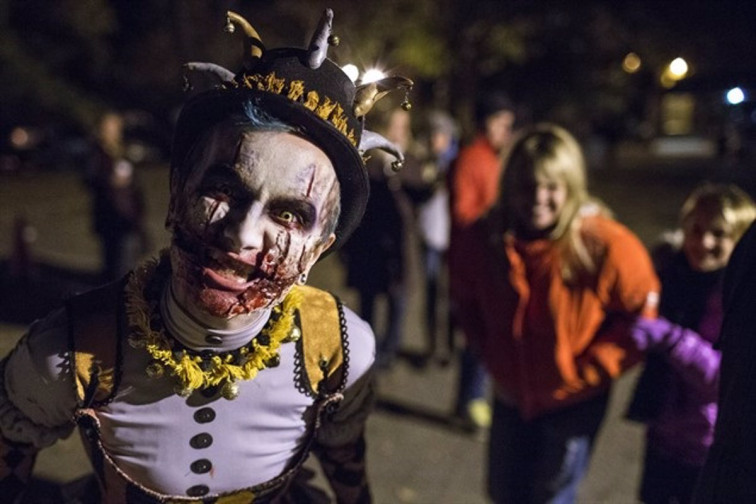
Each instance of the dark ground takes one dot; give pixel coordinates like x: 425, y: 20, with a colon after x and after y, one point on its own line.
x: 417, y: 454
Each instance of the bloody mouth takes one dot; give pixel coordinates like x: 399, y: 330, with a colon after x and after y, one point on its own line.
x: 219, y: 282
x: 229, y: 272
x: 227, y: 284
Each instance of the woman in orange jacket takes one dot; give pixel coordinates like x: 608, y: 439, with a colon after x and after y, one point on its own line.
x: 554, y: 286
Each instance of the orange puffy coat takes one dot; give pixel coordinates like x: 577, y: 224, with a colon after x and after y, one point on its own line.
x: 547, y: 343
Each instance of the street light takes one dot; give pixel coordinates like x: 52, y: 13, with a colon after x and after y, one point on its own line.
x: 678, y: 68
x: 735, y: 96
x: 675, y: 71
x: 631, y: 63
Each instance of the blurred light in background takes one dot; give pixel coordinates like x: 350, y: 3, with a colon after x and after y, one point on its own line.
x: 666, y: 81
x: 631, y: 63
x: 372, y: 75
x: 20, y: 138
x: 352, y: 71
x: 677, y: 111
x: 25, y: 138
x: 735, y: 96
x: 678, y: 68
x: 675, y: 71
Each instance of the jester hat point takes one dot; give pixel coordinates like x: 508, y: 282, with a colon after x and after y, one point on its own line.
x: 303, y: 88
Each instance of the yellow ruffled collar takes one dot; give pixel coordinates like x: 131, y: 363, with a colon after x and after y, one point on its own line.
x: 193, y: 370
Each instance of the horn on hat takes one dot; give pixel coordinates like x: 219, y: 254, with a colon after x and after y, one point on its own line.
x: 368, y: 94
x: 318, y: 49
x: 223, y: 75
x: 301, y: 86
x: 253, y: 46
x: 373, y: 140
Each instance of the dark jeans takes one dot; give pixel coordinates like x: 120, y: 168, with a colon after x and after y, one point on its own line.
x: 396, y: 299
x: 433, y: 267
x: 473, y: 380
x: 666, y: 480
x: 541, y: 460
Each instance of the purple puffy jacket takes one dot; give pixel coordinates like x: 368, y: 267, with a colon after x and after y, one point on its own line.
x: 681, y: 378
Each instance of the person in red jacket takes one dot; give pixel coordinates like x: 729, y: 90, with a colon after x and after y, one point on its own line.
x: 473, y: 186
x: 554, y: 285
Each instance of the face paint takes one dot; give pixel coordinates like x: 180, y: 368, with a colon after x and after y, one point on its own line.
x: 249, y: 221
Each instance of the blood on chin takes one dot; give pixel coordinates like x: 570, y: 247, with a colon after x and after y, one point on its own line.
x: 220, y: 294
x: 224, y: 304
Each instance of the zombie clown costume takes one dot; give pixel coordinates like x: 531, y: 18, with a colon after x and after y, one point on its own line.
x: 210, y: 373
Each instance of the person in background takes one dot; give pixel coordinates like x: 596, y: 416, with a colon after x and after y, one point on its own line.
x: 554, y: 287
x: 118, y: 208
x: 434, y: 222
x: 677, y: 392
x: 728, y: 473
x: 473, y: 186
x: 376, y: 255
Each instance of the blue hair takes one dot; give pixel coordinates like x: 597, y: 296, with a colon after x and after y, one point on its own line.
x: 258, y: 119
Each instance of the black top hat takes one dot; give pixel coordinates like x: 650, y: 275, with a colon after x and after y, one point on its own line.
x: 301, y: 87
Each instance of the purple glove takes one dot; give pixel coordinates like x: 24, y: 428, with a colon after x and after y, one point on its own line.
x: 655, y: 334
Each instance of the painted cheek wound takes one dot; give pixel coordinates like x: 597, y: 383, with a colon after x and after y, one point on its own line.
x: 276, y: 272
x: 214, y: 211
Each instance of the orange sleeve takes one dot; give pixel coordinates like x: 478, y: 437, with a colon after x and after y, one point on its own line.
x: 628, y: 282
x: 627, y: 286
x: 473, y: 187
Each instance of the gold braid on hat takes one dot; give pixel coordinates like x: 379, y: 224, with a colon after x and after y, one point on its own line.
x: 366, y: 95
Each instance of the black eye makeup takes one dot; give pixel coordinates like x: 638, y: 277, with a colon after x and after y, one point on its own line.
x: 293, y: 213
x: 221, y: 192
x: 222, y: 183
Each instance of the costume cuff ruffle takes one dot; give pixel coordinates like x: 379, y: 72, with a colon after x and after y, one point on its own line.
x: 17, y: 427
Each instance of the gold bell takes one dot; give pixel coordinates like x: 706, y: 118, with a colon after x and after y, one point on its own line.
x: 155, y: 370
x: 333, y: 40
x: 183, y: 391
x: 294, y: 335
x: 229, y: 28
x: 274, y: 361
x: 406, y: 105
x: 230, y: 391
x: 397, y: 165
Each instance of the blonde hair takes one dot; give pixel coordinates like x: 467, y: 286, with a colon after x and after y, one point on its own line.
x: 551, y: 151
x: 727, y: 201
